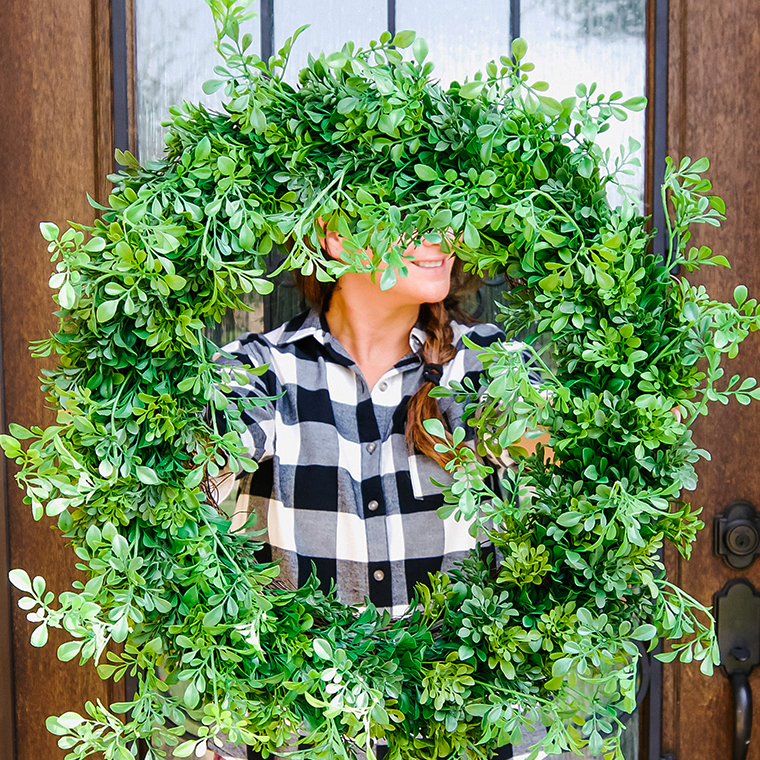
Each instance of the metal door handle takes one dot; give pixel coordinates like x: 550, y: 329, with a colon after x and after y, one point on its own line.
x: 742, y: 714
x: 737, y: 613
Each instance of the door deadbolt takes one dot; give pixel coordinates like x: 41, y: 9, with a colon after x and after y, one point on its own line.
x: 737, y: 534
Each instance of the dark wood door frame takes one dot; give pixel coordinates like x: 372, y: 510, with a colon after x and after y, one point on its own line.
x: 7, y: 703
x: 714, y: 110
x: 56, y: 144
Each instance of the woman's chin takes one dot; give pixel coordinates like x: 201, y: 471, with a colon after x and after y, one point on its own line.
x: 429, y: 286
x: 432, y: 294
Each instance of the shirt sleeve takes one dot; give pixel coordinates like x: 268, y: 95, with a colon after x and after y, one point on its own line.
x: 467, y: 368
x: 252, y: 394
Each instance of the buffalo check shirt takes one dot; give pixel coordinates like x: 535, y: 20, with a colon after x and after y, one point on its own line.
x: 337, y: 486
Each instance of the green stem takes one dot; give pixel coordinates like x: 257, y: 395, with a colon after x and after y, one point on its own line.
x: 116, y: 404
x: 557, y: 206
x: 668, y: 226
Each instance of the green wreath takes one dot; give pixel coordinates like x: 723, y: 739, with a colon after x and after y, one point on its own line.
x: 371, y: 144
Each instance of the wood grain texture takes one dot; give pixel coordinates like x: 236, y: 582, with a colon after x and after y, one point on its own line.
x: 7, y: 703
x: 55, y: 131
x: 714, y: 110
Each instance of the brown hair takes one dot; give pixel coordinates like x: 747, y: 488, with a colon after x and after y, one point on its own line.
x: 435, y: 319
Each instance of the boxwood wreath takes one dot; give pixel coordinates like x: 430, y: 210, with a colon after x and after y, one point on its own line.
x: 370, y: 143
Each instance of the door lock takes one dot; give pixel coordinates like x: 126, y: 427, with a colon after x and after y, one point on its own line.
x: 737, y: 534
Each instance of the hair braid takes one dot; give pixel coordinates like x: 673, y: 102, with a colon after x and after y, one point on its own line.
x: 438, y: 349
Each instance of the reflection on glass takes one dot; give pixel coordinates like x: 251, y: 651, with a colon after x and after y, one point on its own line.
x: 236, y: 321
x: 601, y: 41
x: 175, y: 54
x: 174, y: 45
x: 629, y: 743
x: 332, y: 23
x: 462, y: 37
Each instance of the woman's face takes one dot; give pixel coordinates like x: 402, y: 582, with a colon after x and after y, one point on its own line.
x: 428, y: 279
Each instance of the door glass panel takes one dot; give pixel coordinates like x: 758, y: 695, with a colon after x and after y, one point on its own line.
x: 332, y: 23
x: 462, y: 37
x: 174, y: 55
x: 174, y: 45
x: 602, y: 41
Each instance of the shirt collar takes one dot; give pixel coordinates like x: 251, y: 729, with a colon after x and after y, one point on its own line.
x: 313, y: 324
x: 300, y: 327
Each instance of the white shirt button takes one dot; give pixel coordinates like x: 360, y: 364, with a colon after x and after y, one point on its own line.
x: 371, y: 447
x: 373, y: 505
x: 383, y: 386
x: 378, y: 575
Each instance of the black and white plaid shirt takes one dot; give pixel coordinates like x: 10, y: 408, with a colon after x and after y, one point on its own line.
x: 337, y: 485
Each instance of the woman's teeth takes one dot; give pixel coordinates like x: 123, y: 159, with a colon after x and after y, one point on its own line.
x: 429, y: 264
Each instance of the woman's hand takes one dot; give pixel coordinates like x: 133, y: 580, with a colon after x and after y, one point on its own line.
x: 529, y: 444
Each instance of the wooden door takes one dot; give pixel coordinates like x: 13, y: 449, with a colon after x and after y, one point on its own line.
x: 714, y: 110
x: 56, y: 143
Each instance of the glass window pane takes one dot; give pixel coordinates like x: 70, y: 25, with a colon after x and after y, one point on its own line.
x: 174, y: 46
x: 175, y: 54
x: 462, y: 37
x: 601, y: 41
x: 333, y: 22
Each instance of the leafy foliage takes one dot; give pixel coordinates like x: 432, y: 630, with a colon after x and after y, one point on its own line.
x: 371, y: 144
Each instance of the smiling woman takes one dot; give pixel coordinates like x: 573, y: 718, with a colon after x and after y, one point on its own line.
x: 347, y: 474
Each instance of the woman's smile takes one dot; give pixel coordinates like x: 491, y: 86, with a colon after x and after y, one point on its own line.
x: 429, y: 263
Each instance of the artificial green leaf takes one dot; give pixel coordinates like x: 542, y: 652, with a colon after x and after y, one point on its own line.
x: 69, y: 650
x: 213, y: 617
x: 66, y: 296
x: 226, y: 165
x: 19, y: 431
x: 147, y: 475
x: 21, y: 580
x: 194, y: 477
x: 49, y: 231
x: 644, y: 632
x: 435, y: 428
x: 175, y: 281
x: 404, y: 39
x: 539, y: 169
x: 420, y: 49
x: 39, y: 636
x: 637, y: 103
x: 519, y: 48
x: 425, y: 173
x: 322, y: 649
x: 472, y: 90
x: 106, y: 310
x: 471, y: 236
x: 336, y: 60
x: 210, y: 86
